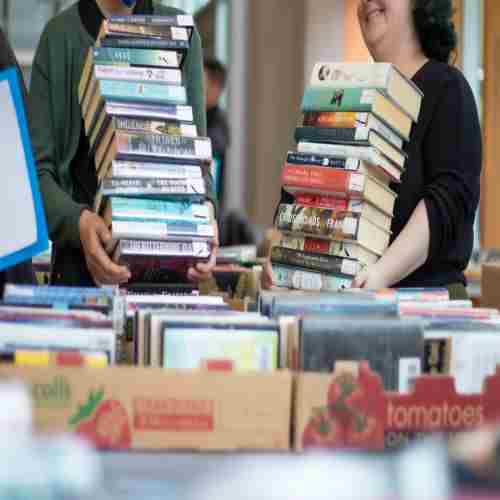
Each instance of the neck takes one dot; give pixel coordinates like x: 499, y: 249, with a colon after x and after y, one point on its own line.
x: 114, y: 8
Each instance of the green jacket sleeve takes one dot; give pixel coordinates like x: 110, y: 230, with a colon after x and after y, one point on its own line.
x: 63, y: 214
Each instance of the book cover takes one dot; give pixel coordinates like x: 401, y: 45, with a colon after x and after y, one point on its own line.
x: 393, y: 348
x: 137, y: 57
x: 139, y: 75
x: 118, y: 90
x: 303, y: 279
x: 246, y: 350
x: 138, y: 208
x: 315, y: 261
x: 24, y: 235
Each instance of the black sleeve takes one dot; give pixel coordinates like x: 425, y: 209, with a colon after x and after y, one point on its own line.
x: 452, y: 159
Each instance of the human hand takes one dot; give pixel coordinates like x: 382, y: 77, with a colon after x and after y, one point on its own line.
x: 371, y: 278
x: 94, y: 236
x: 266, y: 278
x: 203, y: 271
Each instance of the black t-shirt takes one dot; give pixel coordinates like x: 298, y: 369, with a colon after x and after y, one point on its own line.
x: 443, y: 169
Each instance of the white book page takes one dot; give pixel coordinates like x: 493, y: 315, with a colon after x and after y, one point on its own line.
x: 18, y: 228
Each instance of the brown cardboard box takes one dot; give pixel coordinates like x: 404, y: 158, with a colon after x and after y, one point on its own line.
x: 147, y: 409
x: 490, y: 285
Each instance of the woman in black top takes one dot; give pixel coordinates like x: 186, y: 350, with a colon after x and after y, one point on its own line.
x: 432, y: 228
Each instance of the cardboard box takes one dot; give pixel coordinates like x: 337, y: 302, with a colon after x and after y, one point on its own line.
x: 349, y: 409
x: 490, y: 285
x: 148, y: 409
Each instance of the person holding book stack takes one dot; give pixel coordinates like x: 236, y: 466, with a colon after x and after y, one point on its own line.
x: 66, y: 166
x: 432, y: 226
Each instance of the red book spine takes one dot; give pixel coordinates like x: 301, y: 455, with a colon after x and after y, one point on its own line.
x: 320, y: 179
x: 318, y: 200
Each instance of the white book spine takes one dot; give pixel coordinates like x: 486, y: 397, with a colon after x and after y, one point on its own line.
x: 339, y: 75
x: 134, y: 74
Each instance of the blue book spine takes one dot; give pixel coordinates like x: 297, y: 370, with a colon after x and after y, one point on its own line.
x: 137, y: 57
x: 158, y: 209
x: 143, y: 92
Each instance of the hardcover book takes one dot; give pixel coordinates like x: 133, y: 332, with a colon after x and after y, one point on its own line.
x: 380, y: 168
x: 338, y: 183
x: 365, y: 100
x: 343, y: 249
x: 384, y: 76
x: 393, y: 348
x: 333, y: 225
x: 315, y: 261
x: 345, y: 127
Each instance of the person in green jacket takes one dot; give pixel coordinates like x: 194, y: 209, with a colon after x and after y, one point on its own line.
x: 66, y: 168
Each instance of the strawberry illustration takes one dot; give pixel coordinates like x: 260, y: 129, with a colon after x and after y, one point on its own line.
x: 104, y: 423
x: 112, y: 426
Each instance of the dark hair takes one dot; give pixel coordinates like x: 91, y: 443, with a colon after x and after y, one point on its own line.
x: 216, y: 71
x: 435, y: 29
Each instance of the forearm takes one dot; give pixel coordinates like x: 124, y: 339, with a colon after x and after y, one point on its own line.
x: 409, y: 250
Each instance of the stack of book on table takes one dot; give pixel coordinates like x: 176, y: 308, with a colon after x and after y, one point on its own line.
x: 349, y: 158
x: 58, y: 326
x: 149, y: 159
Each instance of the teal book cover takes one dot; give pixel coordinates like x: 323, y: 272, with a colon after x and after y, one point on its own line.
x: 137, y: 57
x: 117, y: 90
x: 348, y: 99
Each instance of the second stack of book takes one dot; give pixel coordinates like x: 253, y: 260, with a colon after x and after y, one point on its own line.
x: 149, y: 159
x: 356, y: 119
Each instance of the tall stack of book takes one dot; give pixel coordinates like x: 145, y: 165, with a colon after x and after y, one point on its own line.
x: 148, y: 156
x: 356, y: 119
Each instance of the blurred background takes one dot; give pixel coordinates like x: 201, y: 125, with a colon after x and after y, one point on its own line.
x: 269, y: 48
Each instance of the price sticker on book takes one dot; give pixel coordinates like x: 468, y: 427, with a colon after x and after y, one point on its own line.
x: 349, y: 267
x: 356, y: 182
x: 352, y: 164
x: 185, y: 20
x: 203, y: 149
x: 368, y: 96
x: 361, y: 134
x: 179, y: 34
x: 306, y: 281
x: 350, y: 226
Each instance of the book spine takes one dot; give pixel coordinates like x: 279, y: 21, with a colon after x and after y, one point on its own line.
x: 314, y: 261
x: 133, y: 74
x: 321, y: 201
x: 179, y: 20
x: 114, y: 29
x: 317, y: 245
x: 166, y: 248
x: 165, y: 145
x: 300, y: 279
x: 137, y: 207
x: 143, y: 92
x: 334, y: 182
x: 150, y: 170
x: 324, y: 223
x: 321, y: 160
x: 115, y: 187
x: 339, y: 75
x: 136, y: 57
x: 332, y: 135
x: 334, y: 120
x: 145, y: 43
x: 164, y: 112
x: 164, y: 127
x: 346, y: 99
x: 159, y: 230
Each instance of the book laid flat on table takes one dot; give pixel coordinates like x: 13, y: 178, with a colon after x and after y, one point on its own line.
x: 332, y: 225
x: 384, y: 76
x: 338, y: 183
x: 365, y: 100
x: 24, y: 235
